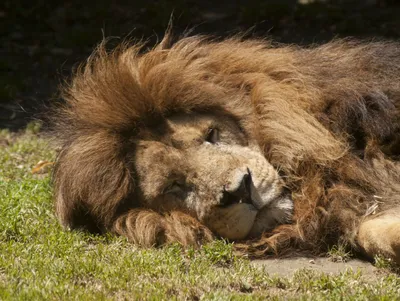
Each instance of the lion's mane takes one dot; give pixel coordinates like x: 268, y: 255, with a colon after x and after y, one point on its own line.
x: 327, y: 117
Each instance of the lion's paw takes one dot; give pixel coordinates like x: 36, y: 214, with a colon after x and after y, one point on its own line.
x: 381, y: 236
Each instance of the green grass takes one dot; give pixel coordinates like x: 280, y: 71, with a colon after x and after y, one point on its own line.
x: 339, y: 253
x: 41, y: 261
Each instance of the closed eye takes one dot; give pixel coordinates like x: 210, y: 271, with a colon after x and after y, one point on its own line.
x: 212, y: 136
x: 174, y: 188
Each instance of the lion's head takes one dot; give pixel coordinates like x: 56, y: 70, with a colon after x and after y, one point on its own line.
x: 157, y: 147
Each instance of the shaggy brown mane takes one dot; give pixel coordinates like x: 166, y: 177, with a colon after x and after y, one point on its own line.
x: 327, y: 117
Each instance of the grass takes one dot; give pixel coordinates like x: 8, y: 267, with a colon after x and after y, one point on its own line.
x: 41, y: 261
x: 339, y: 253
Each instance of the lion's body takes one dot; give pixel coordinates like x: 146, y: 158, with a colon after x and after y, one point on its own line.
x: 324, y: 122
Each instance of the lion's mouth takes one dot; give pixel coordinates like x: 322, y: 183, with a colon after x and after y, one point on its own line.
x: 243, y: 193
x: 247, y: 193
x: 229, y: 199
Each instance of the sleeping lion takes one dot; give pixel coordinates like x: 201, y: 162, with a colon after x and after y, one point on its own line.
x: 278, y: 148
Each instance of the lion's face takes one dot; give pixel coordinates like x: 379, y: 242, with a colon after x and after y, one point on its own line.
x: 206, y: 166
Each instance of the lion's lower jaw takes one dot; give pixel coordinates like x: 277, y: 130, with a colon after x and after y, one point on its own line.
x: 242, y: 221
x: 233, y: 222
x: 277, y: 212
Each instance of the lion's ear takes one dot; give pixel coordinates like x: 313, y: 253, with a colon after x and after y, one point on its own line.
x: 91, y: 181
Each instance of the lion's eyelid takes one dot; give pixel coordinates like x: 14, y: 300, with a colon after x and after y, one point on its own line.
x: 212, y: 135
x: 173, y: 188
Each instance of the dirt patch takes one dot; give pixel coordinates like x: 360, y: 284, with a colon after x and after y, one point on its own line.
x: 287, y: 267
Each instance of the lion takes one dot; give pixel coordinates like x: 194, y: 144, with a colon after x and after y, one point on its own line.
x: 278, y: 148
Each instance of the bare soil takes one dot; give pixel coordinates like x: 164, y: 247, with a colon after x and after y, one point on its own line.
x: 287, y: 267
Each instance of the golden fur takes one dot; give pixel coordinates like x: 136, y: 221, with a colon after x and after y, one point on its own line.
x: 326, y: 117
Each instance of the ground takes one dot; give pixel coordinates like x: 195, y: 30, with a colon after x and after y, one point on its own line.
x: 41, y: 261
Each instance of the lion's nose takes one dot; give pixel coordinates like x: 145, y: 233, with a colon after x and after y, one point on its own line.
x: 243, y: 191
x: 242, y: 194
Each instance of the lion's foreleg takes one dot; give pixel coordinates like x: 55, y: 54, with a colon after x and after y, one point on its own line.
x: 381, y: 236
x: 148, y: 228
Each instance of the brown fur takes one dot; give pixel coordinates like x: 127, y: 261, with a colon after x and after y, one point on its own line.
x: 326, y: 117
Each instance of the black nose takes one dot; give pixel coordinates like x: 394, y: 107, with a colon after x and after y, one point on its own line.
x: 240, y: 195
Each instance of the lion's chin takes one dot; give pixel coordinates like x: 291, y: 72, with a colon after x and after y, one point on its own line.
x: 233, y: 222
x: 244, y: 220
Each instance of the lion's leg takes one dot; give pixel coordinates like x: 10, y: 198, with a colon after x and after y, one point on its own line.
x: 148, y: 228
x: 381, y: 236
